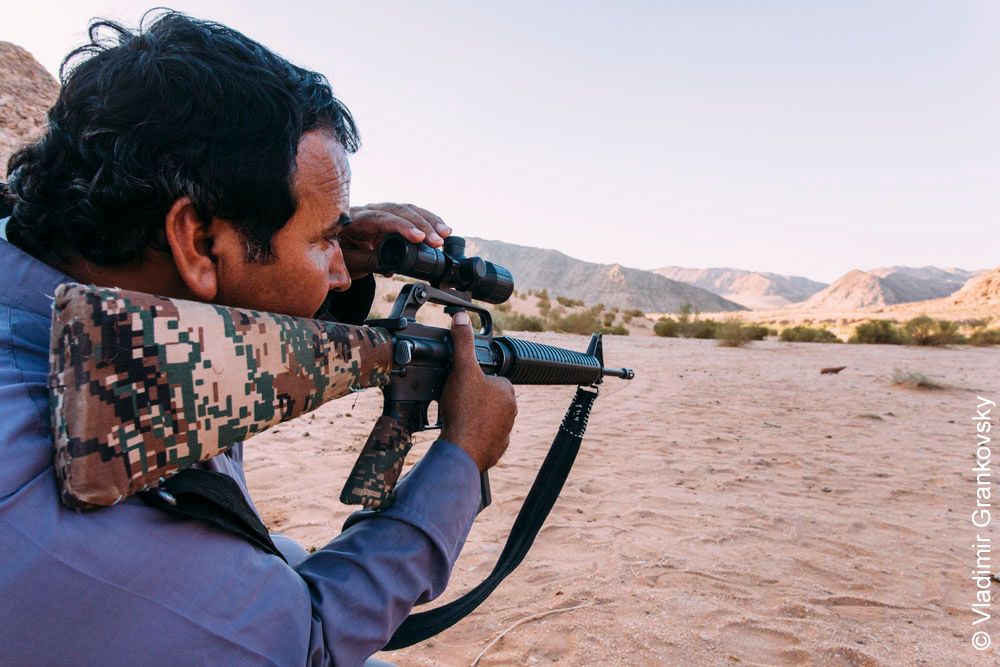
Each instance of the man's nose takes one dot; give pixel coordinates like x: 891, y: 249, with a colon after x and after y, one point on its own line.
x: 339, y: 276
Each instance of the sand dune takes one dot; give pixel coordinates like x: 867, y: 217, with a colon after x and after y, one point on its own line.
x: 730, y: 506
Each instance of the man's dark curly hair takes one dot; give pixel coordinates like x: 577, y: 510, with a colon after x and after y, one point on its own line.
x: 181, y: 107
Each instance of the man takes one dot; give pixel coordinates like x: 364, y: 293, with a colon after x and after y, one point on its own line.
x: 188, y: 161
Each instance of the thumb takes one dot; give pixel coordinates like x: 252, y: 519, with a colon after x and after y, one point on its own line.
x: 462, y: 341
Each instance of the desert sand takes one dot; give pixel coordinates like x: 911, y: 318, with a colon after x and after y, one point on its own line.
x: 729, y: 506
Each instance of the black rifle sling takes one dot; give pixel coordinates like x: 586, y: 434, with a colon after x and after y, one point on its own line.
x: 215, y: 497
x: 211, y: 496
x: 539, y: 501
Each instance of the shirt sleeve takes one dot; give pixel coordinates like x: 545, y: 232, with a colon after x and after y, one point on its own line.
x: 363, y: 584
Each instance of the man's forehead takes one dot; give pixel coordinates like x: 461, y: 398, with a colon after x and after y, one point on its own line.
x: 322, y: 166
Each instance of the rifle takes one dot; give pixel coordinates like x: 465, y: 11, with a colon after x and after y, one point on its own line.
x: 143, y: 387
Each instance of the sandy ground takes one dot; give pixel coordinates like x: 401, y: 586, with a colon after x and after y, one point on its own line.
x: 729, y: 507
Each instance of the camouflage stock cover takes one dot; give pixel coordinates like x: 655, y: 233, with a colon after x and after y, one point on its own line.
x: 143, y: 386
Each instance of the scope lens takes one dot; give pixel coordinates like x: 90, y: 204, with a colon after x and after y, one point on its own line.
x: 496, y: 287
x: 392, y: 254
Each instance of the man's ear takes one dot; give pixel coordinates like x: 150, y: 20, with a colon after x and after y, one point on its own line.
x: 190, y: 238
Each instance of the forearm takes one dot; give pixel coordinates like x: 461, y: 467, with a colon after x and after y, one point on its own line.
x: 363, y: 584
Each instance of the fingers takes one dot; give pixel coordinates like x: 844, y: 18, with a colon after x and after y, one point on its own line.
x: 442, y: 229
x: 414, y: 223
x: 463, y: 342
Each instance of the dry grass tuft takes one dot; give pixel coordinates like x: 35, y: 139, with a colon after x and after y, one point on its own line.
x: 914, y: 380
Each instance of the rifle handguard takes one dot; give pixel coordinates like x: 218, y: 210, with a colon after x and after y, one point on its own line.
x: 143, y: 386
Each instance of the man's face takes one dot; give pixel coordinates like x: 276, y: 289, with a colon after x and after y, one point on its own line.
x: 308, y: 260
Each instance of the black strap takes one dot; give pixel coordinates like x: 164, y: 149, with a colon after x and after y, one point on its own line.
x: 215, y: 497
x: 211, y: 496
x: 542, y: 496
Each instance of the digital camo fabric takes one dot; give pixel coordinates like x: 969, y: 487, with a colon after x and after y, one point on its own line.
x: 379, y: 465
x: 143, y: 386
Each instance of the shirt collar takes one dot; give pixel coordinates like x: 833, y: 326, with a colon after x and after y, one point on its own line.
x: 28, y: 283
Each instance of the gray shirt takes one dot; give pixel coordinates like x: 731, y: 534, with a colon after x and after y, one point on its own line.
x: 131, y: 585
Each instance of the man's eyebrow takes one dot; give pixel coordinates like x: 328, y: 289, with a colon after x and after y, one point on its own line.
x: 340, y: 222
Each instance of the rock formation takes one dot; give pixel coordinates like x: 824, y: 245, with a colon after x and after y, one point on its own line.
x: 27, y: 90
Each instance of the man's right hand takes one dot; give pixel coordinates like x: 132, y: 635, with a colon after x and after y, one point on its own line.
x: 477, y: 410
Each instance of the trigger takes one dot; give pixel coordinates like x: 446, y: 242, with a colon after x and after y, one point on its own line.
x: 425, y: 422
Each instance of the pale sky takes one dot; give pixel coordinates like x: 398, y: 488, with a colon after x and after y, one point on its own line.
x: 807, y: 138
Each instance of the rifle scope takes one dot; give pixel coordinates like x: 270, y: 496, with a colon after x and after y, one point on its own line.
x: 445, y: 269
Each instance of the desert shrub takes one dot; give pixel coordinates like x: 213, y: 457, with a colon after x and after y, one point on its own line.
x: 510, y: 321
x: 609, y: 319
x: 732, y: 333
x: 703, y: 329
x: 389, y: 298
x: 914, y: 380
x: 568, y: 302
x: 635, y: 312
x: 503, y: 307
x: 578, y: 323
x: 758, y: 331
x: 975, y: 323
x: 544, y: 306
x: 584, y: 323
x: 687, y: 323
x: 879, y: 332
x: 984, y: 337
x: 666, y: 327
x: 924, y: 330
x: 947, y: 333
x: 543, y: 294
x: 803, y: 334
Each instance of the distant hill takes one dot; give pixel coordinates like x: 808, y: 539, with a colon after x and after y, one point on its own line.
x: 611, y: 284
x: 887, y: 286
x: 27, y: 91
x: 753, y: 289
x: 982, y: 290
x: 855, y: 289
x: 922, y: 283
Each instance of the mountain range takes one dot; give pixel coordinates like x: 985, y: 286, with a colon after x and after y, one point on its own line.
x: 887, y: 286
x: 613, y: 285
x: 753, y: 289
x: 717, y: 289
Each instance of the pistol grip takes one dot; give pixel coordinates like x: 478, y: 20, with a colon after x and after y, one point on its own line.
x: 374, y: 475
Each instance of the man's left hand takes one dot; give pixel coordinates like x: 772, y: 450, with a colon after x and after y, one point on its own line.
x: 373, y: 221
